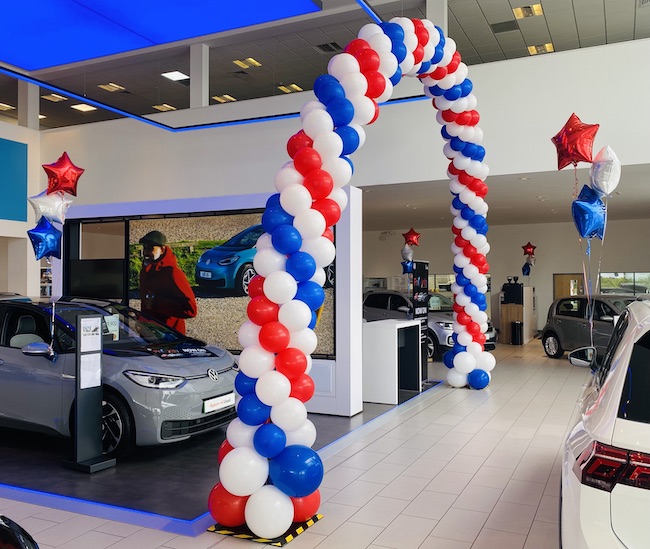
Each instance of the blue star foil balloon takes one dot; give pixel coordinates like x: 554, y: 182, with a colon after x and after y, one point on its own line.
x: 588, y: 212
x: 46, y: 239
x: 407, y: 267
x: 525, y: 270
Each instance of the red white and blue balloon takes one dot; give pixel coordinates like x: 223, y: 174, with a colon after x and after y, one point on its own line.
x: 268, y: 468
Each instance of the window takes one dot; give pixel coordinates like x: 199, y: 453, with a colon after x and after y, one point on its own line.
x: 378, y: 301
x: 635, y: 405
x: 24, y: 327
x: 601, y: 309
x: 615, y: 340
x: 397, y: 301
x: 571, y: 307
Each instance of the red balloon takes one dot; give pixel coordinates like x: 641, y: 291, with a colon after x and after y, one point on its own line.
x: 475, y: 185
x: 478, y: 260
x: 305, y: 507
x: 453, y: 170
x: 421, y: 32
x: 368, y: 60
x: 439, y: 73
x: 62, y: 176
x: 484, y: 269
x: 223, y: 450
x: 329, y: 234
x: 306, y: 160
x: 302, y: 387
x: 330, y: 209
x: 449, y: 115
x: 574, y: 142
x: 453, y: 64
x: 474, y: 328
x: 457, y: 307
x: 291, y: 362
x: 376, y: 84
x: 256, y: 286
x: 319, y: 183
x: 274, y: 337
x: 464, y: 319
x: 455, y: 230
x: 469, y: 251
x: 418, y: 54
x: 529, y: 249
x: 460, y: 241
x: 297, y: 141
x: 475, y: 118
x: 376, y: 112
x: 411, y: 237
x: 262, y: 310
x: 465, y: 178
x: 464, y: 118
x: 226, y: 508
x: 480, y: 338
x: 356, y: 45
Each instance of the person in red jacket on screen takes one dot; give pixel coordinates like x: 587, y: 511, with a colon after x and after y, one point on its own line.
x: 165, y: 291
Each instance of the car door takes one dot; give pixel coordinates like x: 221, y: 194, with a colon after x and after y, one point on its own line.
x: 375, y: 306
x: 603, y: 324
x: 570, y: 323
x: 399, y: 307
x: 30, y: 386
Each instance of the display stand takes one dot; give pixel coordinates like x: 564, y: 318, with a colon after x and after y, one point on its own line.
x: 391, y: 360
x: 87, y: 433
x: 524, y: 313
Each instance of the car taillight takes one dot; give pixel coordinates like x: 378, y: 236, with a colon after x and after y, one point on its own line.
x: 601, y: 466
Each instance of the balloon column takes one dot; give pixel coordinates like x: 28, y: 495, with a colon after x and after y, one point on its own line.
x: 410, y: 239
x: 529, y: 252
x: 51, y: 205
x: 269, y: 473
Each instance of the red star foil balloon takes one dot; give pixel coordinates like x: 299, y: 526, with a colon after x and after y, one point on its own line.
x: 529, y: 249
x: 62, y: 176
x: 574, y: 142
x: 411, y: 237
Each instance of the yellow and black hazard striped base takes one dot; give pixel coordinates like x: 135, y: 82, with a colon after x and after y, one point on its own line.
x: 243, y: 532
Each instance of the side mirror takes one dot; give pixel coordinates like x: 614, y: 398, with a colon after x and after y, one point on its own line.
x: 584, y: 357
x: 607, y: 318
x: 404, y: 309
x: 39, y: 349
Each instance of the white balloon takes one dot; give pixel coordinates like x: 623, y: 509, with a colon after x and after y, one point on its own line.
x: 443, y: 104
x: 466, y: 195
x: 462, y: 162
x: 340, y: 170
x: 461, y: 261
x: 456, y: 378
x: 447, y: 82
x: 362, y: 133
x: 463, y: 300
x: 264, y: 242
x: 471, y: 102
x: 484, y: 327
x: 460, y: 223
x: 486, y: 361
x: 289, y: 415
x: 52, y: 207
x: 470, y: 271
x: 460, y: 105
x: 295, y: 315
x: 319, y: 277
x: 465, y: 338
x: 268, y: 512
x: 272, y: 388
x: 303, y: 436
x: 472, y: 309
x: 456, y: 249
x: 280, y: 287
x: 468, y: 134
x: 328, y: 145
x: 255, y: 361
x: 268, y: 261
x: 295, y: 199
x: 309, y: 223
x: 321, y: 249
x: 286, y: 176
x: 478, y: 240
x: 240, y: 434
x: 243, y: 471
x: 388, y: 91
x: 368, y: 30
x: 364, y: 110
x: 483, y: 290
x: 316, y: 122
x: 381, y: 43
x: 455, y: 186
x: 454, y: 129
x: 464, y: 362
x: 485, y: 249
x: 473, y: 348
x: 305, y: 340
x: 474, y: 168
x: 311, y: 106
x: 468, y: 233
x: 408, y: 62
x: 340, y: 197
x: 310, y: 363
x: 248, y: 334
x: 605, y: 171
x: 456, y: 288
x: 448, y: 151
x: 342, y: 64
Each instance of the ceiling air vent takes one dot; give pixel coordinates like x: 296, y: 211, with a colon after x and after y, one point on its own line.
x: 330, y: 47
x: 504, y: 26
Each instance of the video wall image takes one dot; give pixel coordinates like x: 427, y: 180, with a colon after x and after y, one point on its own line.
x: 199, y: 283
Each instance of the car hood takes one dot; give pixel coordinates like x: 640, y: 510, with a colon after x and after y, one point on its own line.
x: 215, y: 254
x: 441, y: 316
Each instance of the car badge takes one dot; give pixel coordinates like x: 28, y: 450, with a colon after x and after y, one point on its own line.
x: 213, y: 375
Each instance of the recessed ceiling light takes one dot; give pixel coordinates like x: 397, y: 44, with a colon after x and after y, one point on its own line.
x: 290, y: 88
x: 524, y: 178
x: 41, y: 116
x: 54, y: 97
x: 175, y: 76
x: 83, y: 107
x: 528, y: 11
x: 225, y: 98
x: 253, y: 62
x: 164, y: 107
x: 544, y: 48
x: 5, y: 107
x: 295, y: 87
x: 111, y: 87
x: 241, y: 64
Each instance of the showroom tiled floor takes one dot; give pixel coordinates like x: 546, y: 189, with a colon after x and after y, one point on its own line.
x: 449, y: 469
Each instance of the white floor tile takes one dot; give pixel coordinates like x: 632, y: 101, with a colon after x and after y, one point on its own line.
x: 543, y: 535
x: 357, y: 493
x: 478, y: 498
x: 430, y: 505
x: 460, y: 525
x: 403, y: 487
x: 405, y: 532
x: 379, y: 511
x: 498, y: 539
x: 511, y: 517
x: 449, y: 482
x: 525, y: 493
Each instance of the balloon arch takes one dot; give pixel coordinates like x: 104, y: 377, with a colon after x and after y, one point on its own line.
x: 269, y: 473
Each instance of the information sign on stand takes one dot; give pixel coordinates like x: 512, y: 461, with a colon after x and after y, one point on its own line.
x: 421, y: 308
x: 87, y: 432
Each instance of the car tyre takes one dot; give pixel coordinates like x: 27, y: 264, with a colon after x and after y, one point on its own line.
x: 552, y: 346
x: 244, y: 277
x: 432, y: 345
x: 118, y: 433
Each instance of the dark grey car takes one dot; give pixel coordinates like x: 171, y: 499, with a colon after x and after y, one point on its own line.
x: 569, y: 319
x: 159, y: 385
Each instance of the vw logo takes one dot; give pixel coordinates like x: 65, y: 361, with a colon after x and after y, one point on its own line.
x: 213, y: 375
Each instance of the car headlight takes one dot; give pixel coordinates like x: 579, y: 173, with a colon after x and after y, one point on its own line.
x: 445, y: 325
x: 228, y: 260
x: 155, y: 381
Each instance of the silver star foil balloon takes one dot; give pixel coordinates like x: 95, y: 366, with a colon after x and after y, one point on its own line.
x: 407, y: 253
x: 52, y: 207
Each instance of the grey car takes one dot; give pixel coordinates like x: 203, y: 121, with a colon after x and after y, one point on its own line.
x: 159, y: 386
x: 385, y: 304
x: 568, y: 322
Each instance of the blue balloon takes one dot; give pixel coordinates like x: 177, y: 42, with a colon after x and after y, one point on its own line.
x: 458, y: 348
x: 479, y: 299
x: 462, y: 280
x: 269, y: 440
x: 439, y: 53
x: 397, y: 75
x: 252, y: 411
x: 407, y: 267
x: 457, y: 144
x: 394, y: 31
x: 45, y: 239
x: 244, y: 384
x: 424, y: 67
x: 286, y: 239
x: 469, y: 150
x: 436, y: 90
x: 479, y: 155
x: 399, y: 50
x: 329, y: 91
x: 349, y: 162
x: 275, y: 216
x: 467, y: 86
x: 457, y: 203
x: 445, y: 133
x: 273, y: 200
x: 443, y: 40
x: 453, y: 93
x: 478, y: 222
x: 324, y: 79
x: 478, y: 379
x: 448, y: 359
x: 467, y: 213
x: 484, y: 229
x: 350, y: 138
x: 483, y: 307
x: 458, y: 270
x: 341, y: 110
x: 588, y: 213
x: 525, y: 270
x: 311, y: 293
x: 314, y: 320
x: 301, y: 266
x: 470, y: 290
x: 297, y: 471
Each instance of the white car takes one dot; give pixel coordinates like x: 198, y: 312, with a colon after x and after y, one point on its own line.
x: 605, y: 499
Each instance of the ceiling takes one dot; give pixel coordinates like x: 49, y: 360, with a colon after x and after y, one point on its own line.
x: 296, y: 50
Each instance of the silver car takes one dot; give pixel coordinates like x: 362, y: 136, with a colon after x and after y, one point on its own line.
x: 569, y: 319
x: 159, y: 386
x: 384, y: 304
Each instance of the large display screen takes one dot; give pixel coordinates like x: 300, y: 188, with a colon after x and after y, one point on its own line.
x: 199, y: 283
